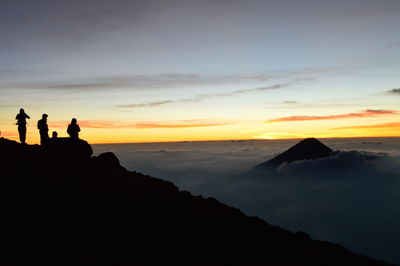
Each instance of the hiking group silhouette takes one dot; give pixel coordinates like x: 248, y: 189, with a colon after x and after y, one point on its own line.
x: 72, y: 130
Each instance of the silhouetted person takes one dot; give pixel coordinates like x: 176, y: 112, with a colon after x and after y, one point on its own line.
x: 54, y: 135
x: 43, y: 129
x: 21, y: 122
x: 73, y: 129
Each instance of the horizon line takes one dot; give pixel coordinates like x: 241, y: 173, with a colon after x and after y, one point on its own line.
x: 255, y: 139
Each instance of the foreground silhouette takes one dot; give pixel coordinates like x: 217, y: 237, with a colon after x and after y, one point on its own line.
x: 21, y: 122
x: 43, y: 129
x: 73, y: 129
x: 84, y: 210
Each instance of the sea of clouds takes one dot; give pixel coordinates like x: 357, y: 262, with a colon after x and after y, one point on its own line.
x: 351, y: 197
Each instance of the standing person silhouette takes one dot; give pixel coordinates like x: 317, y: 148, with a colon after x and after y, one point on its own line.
x: 73, y: 129
x: 43, y: 129
x: 21, y: 122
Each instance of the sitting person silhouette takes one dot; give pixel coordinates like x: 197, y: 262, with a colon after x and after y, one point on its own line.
x: 43, y: 129
x: 73, y: 129
x: 54, y: 135
x: 21, y: 122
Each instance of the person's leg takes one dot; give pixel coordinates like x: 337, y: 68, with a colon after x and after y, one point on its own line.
x: 22, y: 133
x: 44, y: 138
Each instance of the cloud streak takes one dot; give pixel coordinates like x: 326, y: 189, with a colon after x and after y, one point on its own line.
x: 93, y: 124
x: 178, y: 125
x: 394, y: 91
x: 109, y: 124
x: 199, y: 98
x: 136, y: 81
x: 365, y: 113
x: 383, y: 125
x: 290, y: 102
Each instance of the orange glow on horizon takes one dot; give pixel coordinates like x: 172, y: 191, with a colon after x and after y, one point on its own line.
x: 106, y: 139
x: 269, y: 136
x: 110, y: 131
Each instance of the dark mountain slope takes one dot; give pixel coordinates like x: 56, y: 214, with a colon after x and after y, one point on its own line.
x: 59, y: 206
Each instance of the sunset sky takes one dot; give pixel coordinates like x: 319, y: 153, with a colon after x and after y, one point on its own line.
x: 177, y: 70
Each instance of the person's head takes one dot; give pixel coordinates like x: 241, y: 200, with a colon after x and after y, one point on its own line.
x: 21, y: 111
x: 54, y: 134
x: 73, y: 121
x: 44, y: 116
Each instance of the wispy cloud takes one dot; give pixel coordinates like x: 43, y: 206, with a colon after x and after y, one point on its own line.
x: 383, y: 125
x: 394, y: 91
x: 109, y: 124
x: 290, y: 102
x: 177, y: 125
x: 93, y: 124
x: 365, y: 113
x: 136, y: 81
x: 161, y: 80
x: 198, y: 98
x: 157, y: 103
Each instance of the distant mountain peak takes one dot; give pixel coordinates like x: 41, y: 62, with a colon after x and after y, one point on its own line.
x: 307, y: 149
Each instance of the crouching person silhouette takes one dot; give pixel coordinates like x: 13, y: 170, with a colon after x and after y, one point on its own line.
x: 43, y: 129
x: 73, y: 129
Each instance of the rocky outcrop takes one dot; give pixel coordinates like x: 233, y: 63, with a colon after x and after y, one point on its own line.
x: 56, y: 210
x: 68, y: 147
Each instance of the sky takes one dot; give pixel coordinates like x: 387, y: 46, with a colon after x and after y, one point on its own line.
x: 172, y: 70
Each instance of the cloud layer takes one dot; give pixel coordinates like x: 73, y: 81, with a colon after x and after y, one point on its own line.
x: 394, y: 91
x: 349, y: 198
x: 382, y: 125
x: 366, y: 113
x: 199, y: 98
x: 132, y: 81
x: 109, y: 124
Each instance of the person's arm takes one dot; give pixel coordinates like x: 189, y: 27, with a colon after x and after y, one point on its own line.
x: 27, y: 116
x: 79, y: 129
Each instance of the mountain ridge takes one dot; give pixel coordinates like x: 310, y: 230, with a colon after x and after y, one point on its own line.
x: 63, y: 207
